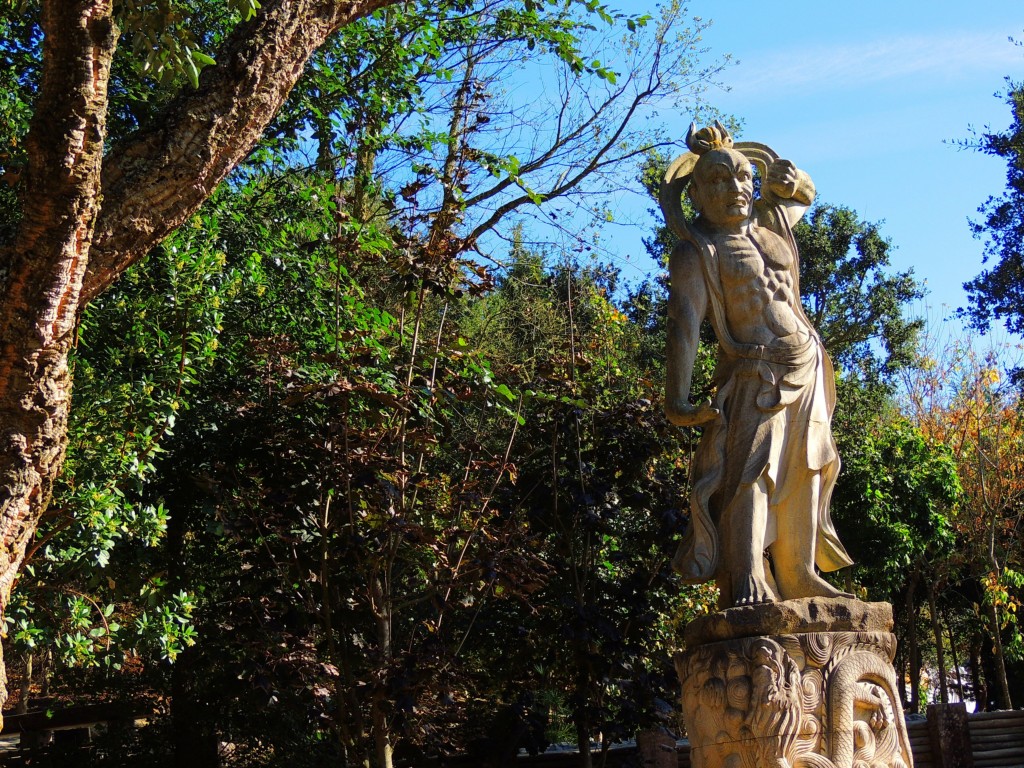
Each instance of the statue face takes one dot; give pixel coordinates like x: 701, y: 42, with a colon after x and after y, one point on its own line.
x: 723, y: 187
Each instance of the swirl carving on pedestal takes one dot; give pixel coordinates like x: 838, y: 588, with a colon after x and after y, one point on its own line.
x: 816, y: 700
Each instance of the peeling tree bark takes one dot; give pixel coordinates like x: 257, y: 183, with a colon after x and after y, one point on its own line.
x: 43, y: 270
x: 69, y: 250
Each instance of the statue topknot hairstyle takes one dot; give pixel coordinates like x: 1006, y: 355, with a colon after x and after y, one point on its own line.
x: 706, y: 139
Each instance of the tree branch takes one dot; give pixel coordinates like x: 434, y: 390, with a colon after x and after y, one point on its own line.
x: 161, y: 175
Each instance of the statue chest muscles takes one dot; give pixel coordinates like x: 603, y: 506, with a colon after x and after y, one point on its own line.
x: 754, y: 267
x: 757, y: 280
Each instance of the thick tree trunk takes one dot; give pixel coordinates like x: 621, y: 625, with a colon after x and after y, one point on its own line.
x: 148, y: 187
x: 42, y: 271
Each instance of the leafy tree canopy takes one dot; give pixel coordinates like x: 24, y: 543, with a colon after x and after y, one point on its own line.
x: 858, y: 307
x: 997, y: 294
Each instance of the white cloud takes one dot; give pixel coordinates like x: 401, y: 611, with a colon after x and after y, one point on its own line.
x: 938, y: 58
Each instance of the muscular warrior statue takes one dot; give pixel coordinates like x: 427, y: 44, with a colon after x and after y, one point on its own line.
x: 766, y: 463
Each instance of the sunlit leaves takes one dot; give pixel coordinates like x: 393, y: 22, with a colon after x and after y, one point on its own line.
x: 162, y: 39
x: 896, y: 505
x: 959, y: 397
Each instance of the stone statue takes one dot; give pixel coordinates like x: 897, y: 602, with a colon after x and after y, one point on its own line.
x: 791, y: 673
x: 767, y: 462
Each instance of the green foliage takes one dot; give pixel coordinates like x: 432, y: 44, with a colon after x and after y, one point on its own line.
x: 855, y: 304
x: 602, y: 483
x: 895, y: 506
x: 997, y: 294
x: 1002, y: 591
x: 163, y: 35
x: 143, y: 347
x: 322, y: 474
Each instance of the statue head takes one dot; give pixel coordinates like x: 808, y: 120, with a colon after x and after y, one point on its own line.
x: 722, y: 186
x: 712, y: 153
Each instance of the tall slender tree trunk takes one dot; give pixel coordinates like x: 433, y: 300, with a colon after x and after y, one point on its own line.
x: 583, y: 740
x: 997, y: 648
x: 581, y: 713
x: 900, y: 665
x: 979, y: 687
x: 382, y: 735
x: 940, y: 656
x: 913, y: 645
x: 26, y: 686
x: 381, y: 727
x: 956, y: 660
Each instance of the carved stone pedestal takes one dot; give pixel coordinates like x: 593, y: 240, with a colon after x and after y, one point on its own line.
x: 800, y: 683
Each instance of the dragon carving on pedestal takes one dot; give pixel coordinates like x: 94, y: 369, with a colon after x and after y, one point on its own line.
x: 816, y: 700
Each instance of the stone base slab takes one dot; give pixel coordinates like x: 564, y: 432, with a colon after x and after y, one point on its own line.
x: 809, y: 614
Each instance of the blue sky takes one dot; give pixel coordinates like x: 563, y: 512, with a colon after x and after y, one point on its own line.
x: 867, y: 98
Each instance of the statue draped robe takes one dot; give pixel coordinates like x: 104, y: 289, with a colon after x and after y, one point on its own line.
x: 791, y: 390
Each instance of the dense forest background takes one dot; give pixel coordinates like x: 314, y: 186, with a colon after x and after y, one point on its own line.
x: 366, y: 459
